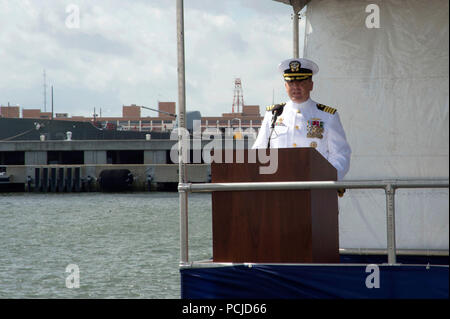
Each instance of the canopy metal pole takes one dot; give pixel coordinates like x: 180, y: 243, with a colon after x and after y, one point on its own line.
x: 184, y: 257
x: 296, y: 35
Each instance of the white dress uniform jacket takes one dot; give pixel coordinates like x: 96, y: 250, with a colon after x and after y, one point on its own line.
x: 308, y: 124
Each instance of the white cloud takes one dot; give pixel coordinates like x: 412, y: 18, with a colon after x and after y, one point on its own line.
x: 126, y: 52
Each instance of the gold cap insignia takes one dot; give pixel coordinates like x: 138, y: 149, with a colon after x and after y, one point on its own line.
x: 295, y: 66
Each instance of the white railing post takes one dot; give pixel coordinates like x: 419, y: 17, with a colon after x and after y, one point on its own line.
x: 184, y: 239
x: 390, y: 222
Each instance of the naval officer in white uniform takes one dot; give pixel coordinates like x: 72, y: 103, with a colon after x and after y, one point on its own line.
x: 304, y: 122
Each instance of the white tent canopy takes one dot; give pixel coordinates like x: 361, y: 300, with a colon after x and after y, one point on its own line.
x: 297, y: 5
x: 391, y: 87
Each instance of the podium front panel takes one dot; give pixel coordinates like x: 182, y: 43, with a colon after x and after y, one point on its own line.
x: 291, y: 226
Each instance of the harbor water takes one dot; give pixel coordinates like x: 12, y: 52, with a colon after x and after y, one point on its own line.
x: 97, y: 245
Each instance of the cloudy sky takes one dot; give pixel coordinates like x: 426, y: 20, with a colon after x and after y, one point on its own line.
x: 125, y: 52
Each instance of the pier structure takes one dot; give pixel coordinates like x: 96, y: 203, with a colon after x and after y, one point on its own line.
x: 76, y: 165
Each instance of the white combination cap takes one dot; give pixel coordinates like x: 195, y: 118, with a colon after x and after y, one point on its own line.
x: 297, y: 69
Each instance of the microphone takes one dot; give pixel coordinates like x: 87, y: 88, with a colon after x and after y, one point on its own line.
x: 276, y: 109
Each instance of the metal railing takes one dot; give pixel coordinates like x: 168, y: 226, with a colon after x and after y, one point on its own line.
x: 389, y: 187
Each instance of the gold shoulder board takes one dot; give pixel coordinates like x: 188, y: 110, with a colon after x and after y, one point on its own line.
x: 270, y: 107
x: 327, y: 109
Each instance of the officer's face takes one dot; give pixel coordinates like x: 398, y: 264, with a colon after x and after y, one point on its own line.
x: 299, y: 91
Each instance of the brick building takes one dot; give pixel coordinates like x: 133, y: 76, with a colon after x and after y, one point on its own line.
x: 10, y: 111
x: 250, y: 117
x: 132, y: 118
x: 131, y: 112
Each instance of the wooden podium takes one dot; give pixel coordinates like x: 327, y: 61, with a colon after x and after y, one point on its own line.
x: 292, y: 226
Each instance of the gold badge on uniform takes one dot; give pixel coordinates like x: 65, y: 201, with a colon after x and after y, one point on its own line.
x: 315, y: 128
